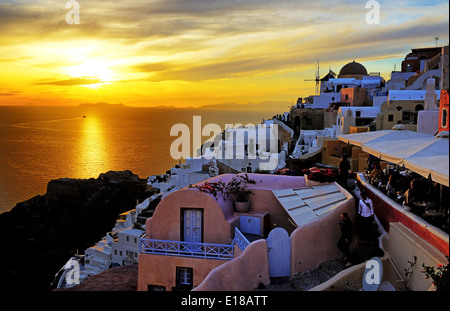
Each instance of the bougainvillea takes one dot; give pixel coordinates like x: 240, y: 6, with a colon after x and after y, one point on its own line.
x: 313, y: 173
x: 211, y: 187
x: 236, y: 187
x: 440, y: 275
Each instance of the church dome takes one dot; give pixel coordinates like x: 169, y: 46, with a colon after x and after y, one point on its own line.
x: 353, y: 68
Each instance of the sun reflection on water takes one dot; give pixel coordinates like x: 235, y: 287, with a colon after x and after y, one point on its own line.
x: 92, y: 156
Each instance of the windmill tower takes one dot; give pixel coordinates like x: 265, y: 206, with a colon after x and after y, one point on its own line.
x: 317, y: 79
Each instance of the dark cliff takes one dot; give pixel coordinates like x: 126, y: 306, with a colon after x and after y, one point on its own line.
x: 39, y: 235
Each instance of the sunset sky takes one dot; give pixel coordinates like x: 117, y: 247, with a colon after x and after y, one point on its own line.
x: 198, y: 52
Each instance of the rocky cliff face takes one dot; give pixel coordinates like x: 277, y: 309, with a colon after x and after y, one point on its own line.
x: 39, y: 235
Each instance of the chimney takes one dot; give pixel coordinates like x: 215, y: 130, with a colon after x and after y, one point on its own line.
x: 430, y: 95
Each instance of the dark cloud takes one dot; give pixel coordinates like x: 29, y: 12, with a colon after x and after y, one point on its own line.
x: 10, y: 93
x: 219, y: 31
x: 70, y: 82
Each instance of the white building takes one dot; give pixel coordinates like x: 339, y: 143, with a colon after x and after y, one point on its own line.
x: 194, y: 170
x: 335, y: 85
x: 125, y: 249
x: 354, y: 116
x: 311, y: 141
x: 118, y: 247
x: 428, y: 119
x: 254, y: 148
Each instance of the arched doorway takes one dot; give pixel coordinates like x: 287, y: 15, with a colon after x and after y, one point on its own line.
x: 279, y: 253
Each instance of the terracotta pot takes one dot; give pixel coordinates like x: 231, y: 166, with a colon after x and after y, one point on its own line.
x: 241, y: 207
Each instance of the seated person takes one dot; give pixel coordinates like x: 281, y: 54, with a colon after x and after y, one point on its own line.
x: 376, y: 175
x: 433, y: 193
x: 411, y: 195
x: 391, y: 185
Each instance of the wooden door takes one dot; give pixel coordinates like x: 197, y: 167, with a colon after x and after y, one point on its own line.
x: 279, y: 253
x: 250, y: 224
x: 192, y: 225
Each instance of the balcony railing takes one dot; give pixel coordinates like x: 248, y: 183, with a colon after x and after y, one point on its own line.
x: 187, y: 249
x: 192, y: 249
x: 239, y: 239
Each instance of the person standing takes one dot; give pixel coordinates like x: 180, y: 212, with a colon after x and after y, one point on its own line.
x: 365, y: 212
x: 344, y: 242
x: 344, y: 167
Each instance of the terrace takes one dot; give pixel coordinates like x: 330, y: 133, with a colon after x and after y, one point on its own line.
x: 193, y: 249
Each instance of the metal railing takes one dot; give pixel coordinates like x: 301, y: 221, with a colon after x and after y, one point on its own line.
x: 187, y: 249
x: 192, y: 249
x: 239, y: 239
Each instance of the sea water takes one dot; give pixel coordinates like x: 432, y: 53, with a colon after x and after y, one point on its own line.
x: 38, y: 144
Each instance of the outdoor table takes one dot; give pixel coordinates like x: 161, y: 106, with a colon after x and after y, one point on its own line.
x: 434, y: 213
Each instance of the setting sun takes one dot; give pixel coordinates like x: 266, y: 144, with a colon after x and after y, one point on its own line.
x: 96, y: 70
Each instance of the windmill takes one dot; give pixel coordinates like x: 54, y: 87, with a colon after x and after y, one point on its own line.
x: 317, y: 79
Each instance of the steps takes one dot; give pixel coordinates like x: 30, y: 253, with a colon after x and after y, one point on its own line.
x: 142, y: 218
x: 306, y: 280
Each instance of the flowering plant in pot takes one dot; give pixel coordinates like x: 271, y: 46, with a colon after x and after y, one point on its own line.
x: 237, y: 189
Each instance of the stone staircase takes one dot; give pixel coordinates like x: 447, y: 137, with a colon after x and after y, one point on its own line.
x: 359, y: 252
x: 306, y: 280
x: 309, y: 279
x: 141, y: 219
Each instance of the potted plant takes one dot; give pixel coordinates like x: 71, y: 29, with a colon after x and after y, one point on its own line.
x: 237, y: 189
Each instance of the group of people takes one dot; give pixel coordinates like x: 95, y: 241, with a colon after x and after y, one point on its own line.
x: 405, y: 187
x: 365, y: 218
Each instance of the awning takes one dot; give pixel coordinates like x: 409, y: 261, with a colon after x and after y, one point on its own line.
x: 434, y: 166
x: 360, y: 139
x: 422, y: 153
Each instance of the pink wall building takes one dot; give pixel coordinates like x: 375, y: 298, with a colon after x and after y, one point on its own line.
x: 196, y: 240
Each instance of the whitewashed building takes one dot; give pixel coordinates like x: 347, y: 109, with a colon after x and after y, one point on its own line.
x: 354, y: 116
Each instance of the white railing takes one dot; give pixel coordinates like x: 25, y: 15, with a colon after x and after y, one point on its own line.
x: 187, y: 249
x: 240, y: 240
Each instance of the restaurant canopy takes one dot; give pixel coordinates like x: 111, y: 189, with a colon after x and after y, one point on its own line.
x: 424, y: 154
x: 360, y: 139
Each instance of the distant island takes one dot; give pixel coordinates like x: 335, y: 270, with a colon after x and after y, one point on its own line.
x: 266, y: 105
x: 102, y: 105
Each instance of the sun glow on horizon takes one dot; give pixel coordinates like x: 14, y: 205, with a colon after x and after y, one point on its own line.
x: 184, y: 53
x: 93, y: 69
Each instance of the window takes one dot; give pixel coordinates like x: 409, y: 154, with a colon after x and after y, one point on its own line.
x: 128, y: 238
x: 444, y: 118
x: 418, y: 107
x: 390, y: 117
x: 135, y: 240
x: 358, y: 113
x: 156, y: 288
x: 184, y: 278
x: 406, y: 115
x: 409, y: 67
